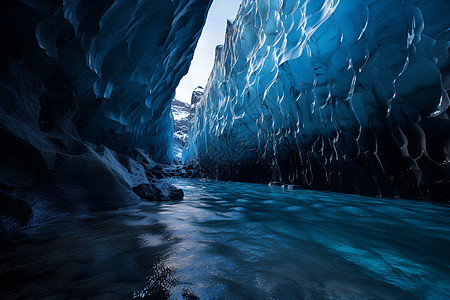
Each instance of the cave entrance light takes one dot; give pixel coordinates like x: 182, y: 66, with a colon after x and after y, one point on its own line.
x: 213, y: 34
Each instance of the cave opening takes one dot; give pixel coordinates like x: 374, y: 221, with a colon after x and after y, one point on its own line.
x: 190, y: 89
x: 213, y: 34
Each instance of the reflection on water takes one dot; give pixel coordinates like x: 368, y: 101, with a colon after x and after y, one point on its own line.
x: 240, y: 241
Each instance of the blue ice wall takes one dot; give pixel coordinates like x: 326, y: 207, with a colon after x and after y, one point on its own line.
x: 346, y: 95
x: 123, y: 65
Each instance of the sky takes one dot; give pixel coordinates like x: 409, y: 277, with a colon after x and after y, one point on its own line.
x: 213, y: 34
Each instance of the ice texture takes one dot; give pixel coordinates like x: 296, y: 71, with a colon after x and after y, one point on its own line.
x: 123, y: 65
x: 346, y: 95
x: 84, y: 86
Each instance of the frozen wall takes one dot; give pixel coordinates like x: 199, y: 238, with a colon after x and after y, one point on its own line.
x: 78, y: 77
x: 118, y: 61
x: 343, y: 95
x: 139, y: 50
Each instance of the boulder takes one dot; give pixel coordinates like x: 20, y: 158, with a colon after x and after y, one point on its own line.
x: 158, y: 191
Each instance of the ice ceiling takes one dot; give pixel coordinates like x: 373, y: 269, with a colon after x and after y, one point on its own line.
x: 123, y: 65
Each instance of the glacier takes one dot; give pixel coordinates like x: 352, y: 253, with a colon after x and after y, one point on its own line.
x: 85, y: 102
x: 349, y: 96
x: 116, y: 64
x: 139, y: 54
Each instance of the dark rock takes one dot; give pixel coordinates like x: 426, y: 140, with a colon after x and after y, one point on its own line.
x: 49, y: 169
x: 197, y: 94
x: 15, y: 209
x: 25, y: 154
x: 159, y: 191
x: 191, y: 170
x: 85, y: 182
x: 157, y: 171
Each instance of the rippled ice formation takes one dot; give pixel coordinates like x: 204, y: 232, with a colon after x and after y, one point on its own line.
x: 122, y: 61
x: 346, y: 95
x: 237, y: 241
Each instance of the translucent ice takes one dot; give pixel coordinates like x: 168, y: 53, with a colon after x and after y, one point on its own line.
x: 123, y: 65
x: 344, y: 95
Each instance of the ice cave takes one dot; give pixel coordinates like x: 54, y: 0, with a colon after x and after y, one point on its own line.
x: 308, y: 157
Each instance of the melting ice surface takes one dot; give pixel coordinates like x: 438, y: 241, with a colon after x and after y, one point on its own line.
x: 239, y: 241
x: 341, y: 95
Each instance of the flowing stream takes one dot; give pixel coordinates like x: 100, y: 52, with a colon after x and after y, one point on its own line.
x: 229, y: 240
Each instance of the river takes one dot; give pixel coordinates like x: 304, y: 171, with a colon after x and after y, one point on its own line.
x: 229, y: 240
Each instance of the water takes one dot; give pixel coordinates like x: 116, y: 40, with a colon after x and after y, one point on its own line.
x: 237, y: 241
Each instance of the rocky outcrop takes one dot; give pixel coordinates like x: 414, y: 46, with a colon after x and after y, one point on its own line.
x: 46, y: 173
x: 158, y: 191
x: 197, y: 94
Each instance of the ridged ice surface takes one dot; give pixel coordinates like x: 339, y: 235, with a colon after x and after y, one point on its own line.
x: 124, y: 65
x: 345, y: 95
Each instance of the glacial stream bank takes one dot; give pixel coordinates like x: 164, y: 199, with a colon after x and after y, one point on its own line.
x: 239, y: 241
